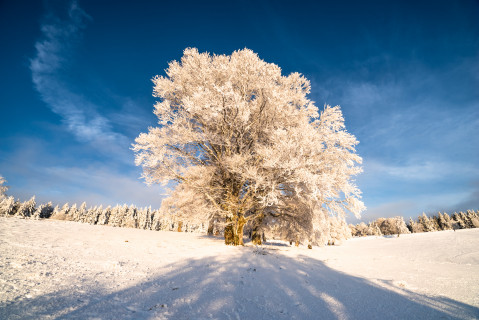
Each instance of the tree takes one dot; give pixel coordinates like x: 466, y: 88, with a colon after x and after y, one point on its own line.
x: 390, y: 226
x: 412, y: 226
x: 459, y: 221
x: 8, y: 206
x: 27, y: 208
x: 82, y: 212
x: 448, y: 221
x: 426, y: 223
x: 3, y: 189
x: 44, y: 211
x: 246, y: 140
x: 441, y: 221
x: 474, y: 217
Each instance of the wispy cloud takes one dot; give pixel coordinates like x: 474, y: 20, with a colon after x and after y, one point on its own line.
x: 53, y: 53
x: 415, y: 170
x: 414, y: 205
x: 32, y: 169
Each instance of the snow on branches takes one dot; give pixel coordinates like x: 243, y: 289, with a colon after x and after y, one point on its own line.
x: 247, y: 145
x: 3, y: 189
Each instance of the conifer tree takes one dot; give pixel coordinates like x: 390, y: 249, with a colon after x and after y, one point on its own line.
x: 448, y: 221
x: 104, y: 215
x: 73, y: 213
x: 435, y: 223
x: 27, y: 208
x: 426, y: 223
x: 44, y: 211
x: 82, y: 213
x: 3, y: 188
x: 474, y: 218
x: 8, y: 206
x: 412, y: 226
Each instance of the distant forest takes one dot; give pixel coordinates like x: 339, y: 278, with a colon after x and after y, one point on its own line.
x: 146, y: 218
x: 437, y: 222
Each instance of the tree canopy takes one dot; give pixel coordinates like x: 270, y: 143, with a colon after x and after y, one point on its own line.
x: 245, y: 144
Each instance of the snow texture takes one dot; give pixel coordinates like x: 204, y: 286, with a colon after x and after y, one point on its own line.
x: 62, y: 269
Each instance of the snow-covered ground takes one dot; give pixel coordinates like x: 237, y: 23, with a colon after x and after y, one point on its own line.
x: 61, y: 269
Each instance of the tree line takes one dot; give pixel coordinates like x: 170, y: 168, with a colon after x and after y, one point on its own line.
x: 116, y: 216
x: 151, y: 219
x: 332, y: 232
x: 166, y: 218
x: 397, y: 225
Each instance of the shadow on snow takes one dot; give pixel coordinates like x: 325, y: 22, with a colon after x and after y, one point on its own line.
x: 256, y: 283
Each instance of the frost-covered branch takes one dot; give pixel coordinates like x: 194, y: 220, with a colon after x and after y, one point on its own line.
x: 246, y: 140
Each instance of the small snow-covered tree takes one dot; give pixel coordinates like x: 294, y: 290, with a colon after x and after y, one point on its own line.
x: 466, y: 217
x: 82, y: 213
x: 447, y: 221
x: 56, y: 211
x: 104, y: 215
x: 426, y: 223
x: 362, y: 229
x: 359, y: 230
x: 61, y: 213
x: 65, y: 211
x: 440, y: 221
x: 3, y: 188
x: 94, y: 214
x: 410, y: 225
x: 459, y: 222
x: 73, y: 213
x: 390, y: 226
x: 247, y: 139
x: 115, y: 217
x: 8, y: 206
x: 44, y: 211
x: 474, y: 218
x: 131, y: 217
x: 144, y: 218
x: 27, y: 208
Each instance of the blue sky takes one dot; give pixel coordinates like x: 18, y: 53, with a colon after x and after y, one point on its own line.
x: 76, y: 90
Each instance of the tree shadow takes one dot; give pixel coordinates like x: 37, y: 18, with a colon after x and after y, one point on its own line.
x: 251, y: 284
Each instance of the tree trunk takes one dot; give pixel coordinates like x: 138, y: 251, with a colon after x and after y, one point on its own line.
x: 229, y: 232
x: 239, y: 231
x: 257, y: 232
x: 211, y: 227
x: 234, y: 231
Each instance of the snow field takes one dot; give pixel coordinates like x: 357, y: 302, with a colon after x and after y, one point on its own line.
x: 60, y: 269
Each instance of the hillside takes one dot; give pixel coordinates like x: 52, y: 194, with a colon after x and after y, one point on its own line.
x: 60, y: 269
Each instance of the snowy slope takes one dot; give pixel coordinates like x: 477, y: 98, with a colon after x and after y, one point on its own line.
x: 60, y: 269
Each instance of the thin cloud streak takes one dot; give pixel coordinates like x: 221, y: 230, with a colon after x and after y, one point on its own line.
x: 419, y: 171
x: 80, y: 116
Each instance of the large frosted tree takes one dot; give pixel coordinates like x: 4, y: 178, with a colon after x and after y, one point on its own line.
x: 247, y: 145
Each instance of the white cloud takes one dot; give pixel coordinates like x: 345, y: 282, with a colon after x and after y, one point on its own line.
x: 99, y: 185
x: 415, y: 205
x: 51, y: 61
x: 390, y: 209
x: 417, y: 170
x: 33, y: 169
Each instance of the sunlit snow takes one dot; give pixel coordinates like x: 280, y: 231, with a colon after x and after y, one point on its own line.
x: 62, y: 269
